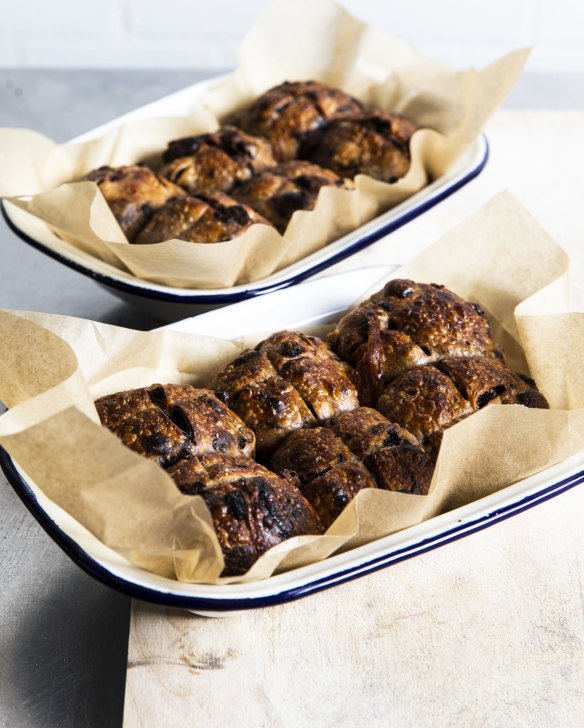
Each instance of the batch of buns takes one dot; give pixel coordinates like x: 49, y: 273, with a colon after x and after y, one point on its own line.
x: 270, y: 160
x: 294, y: 428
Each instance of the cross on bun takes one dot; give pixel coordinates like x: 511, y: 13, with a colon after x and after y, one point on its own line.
x: 278, y: 192
x: 210, y: 218
x: 216, y: 161
x: 289, y: 381
x: 356, y: 449
x: 252, y: 508
x: 168, y: 422
x: 405, y: 325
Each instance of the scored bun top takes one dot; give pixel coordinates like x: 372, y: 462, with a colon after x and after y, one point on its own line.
x: 288, y: 113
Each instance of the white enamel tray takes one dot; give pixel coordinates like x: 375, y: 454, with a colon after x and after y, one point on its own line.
x: 171, y: 303
x: 310, y: 303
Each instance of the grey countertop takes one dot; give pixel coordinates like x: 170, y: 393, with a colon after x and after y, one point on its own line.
x: 63, y: 636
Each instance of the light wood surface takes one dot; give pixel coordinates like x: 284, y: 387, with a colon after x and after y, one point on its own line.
x: 487, y: 631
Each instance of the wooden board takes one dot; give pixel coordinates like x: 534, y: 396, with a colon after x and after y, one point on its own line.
x: 486, y: 631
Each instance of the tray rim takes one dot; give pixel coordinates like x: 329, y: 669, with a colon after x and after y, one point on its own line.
x: 337, y: 569
x: 297, y: 272
x: 223, y: 604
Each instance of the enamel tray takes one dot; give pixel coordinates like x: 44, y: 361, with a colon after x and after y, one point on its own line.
x: 171, y: 303
x: 310, y: 303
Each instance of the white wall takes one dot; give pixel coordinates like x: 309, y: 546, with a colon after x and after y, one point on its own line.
x: 206, y: 33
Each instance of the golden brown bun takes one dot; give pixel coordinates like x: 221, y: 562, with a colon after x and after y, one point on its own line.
x: 210, y: 218
x: 428, y: 399
x: 288, y: 113
x: 216, y: 161
x: 289, y: 381
x: 168, y: 422
x: 376, y: 144
x: 133, y: 193
x: 252, y: 508
x: 270, y: 406
x: 329, y: 474
x: 391, y: 453
x: 357, y: 449
x: 278, y: 192
x: 365, y: 430
x: 310, y: 453
x: 407, y: 325
x: 316, y: 373
x: 330, y: 493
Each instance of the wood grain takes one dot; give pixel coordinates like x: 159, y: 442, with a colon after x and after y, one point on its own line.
x: 487, y: 631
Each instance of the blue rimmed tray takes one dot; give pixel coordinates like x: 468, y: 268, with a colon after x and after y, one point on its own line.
x: 172, y: 303
x: 313, y: 303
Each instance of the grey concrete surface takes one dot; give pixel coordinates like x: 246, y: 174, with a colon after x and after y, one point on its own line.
x: 63, y: 636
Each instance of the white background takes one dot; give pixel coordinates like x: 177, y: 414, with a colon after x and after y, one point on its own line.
x: 206, y: 33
